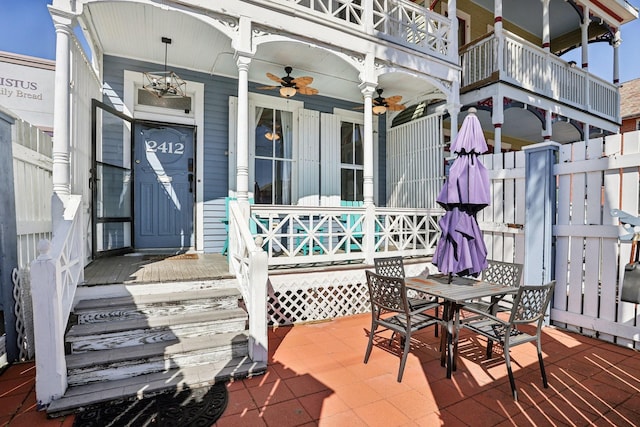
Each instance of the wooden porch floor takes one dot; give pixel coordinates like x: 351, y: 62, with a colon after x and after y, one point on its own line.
x: 150, y: 268
x: 142, y: 268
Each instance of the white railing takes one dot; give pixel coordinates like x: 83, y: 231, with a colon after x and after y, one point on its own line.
x: 302, y: 234
x: 398, y: 21
x: 479, y: 60
x: 526, y: 65
x: 55, y: 275
x: 250, y: 265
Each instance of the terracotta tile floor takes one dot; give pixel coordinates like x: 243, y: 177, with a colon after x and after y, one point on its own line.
x: 316, y: 377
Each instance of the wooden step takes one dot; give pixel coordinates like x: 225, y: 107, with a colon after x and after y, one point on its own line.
x: 127, y: 333
x: 120, y: 363
x: 79, y: 397
x: 142, y: 306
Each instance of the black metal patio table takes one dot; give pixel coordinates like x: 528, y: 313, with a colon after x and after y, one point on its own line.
x: 454, y: 291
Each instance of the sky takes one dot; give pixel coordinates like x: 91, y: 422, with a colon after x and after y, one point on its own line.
x: 26, y: 28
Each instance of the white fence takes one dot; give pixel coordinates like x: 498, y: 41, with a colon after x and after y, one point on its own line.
x: 593, y: 178
x: 32, y: 168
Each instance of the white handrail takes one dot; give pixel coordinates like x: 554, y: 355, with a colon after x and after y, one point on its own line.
x: 250, y: 265
x: 55, y: 275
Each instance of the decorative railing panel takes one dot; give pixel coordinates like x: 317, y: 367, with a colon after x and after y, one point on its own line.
x: 302, y: 235
x: 398, y: 21
x: 411, y: 25
x: 523, y: 64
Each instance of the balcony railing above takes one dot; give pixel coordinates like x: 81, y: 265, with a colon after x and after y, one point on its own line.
x: 397, y: 21
x: 514, y: 60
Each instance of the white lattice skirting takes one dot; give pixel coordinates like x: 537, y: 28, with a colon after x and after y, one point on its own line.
x: 322, y: 295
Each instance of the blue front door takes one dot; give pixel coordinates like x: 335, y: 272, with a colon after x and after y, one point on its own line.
x: 164, y: 186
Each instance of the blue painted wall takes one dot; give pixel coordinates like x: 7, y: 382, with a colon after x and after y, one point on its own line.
x: 217, y: 91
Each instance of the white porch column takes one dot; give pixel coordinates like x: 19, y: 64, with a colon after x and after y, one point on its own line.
x: 368, y: 89
x: 453, y: 32
x: 243, y: 55
x: 548, y: 131
x: 61, y: 121
x: 585, y: 132
x: 497, y: 30
x: 545, y: 26
x: 616, y: 61
x: 584, y: 28
x: 497, y: 118
x: 453, y: 107
x: 242, y: 144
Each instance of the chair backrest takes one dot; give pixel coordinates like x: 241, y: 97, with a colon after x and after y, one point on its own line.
x: 391, y: 267
x: 531, y: 302
x: 502, y: 273
x: 388, y: 294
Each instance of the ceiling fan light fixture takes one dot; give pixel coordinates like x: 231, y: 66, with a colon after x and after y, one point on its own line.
x: 272, y: 136
x: 164, y: 84
x: 379, y: 109
x: 287, y: 91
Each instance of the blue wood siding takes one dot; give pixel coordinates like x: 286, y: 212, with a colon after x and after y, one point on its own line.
x: 217, y: 91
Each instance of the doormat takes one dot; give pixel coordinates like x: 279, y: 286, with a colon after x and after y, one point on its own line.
x: 191, y: 407
x: 170, y: 257
x: 183, y: 256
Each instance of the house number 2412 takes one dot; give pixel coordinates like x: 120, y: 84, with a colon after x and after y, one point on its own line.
x: 165, y: 147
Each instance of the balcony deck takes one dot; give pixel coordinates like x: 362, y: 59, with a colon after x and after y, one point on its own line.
x: 519, y: 63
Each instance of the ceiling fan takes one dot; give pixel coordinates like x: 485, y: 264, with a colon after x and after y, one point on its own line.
x: 381, y: 105
x: 289, y: 85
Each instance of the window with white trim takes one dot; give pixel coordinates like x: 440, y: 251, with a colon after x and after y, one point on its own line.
x: 273, y: 156
x: 351, y: 161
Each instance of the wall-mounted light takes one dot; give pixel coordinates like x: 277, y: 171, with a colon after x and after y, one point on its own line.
x: 572, y: 64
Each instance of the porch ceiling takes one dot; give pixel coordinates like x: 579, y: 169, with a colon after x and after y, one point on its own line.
x: 562, y: 16
x: 134, y: 30
x: 521, y: 127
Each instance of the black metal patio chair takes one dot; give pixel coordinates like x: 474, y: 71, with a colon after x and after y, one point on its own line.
x: 500, y: 273
x: 394, y: 267
x: 390, y: 310
x: 529, y: 306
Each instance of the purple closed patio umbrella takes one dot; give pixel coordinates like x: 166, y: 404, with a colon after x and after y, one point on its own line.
x: 461, y: 249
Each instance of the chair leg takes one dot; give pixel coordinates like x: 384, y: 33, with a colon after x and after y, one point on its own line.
x: 435, y: 331
x: 489, y: 349
x: 542, y: 371
x: 370, y: 344
x: 405, y: 352
x: 512, y: 381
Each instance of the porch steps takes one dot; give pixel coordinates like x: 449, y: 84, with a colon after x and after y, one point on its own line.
x: 133, y: 340
x: 78, y: 397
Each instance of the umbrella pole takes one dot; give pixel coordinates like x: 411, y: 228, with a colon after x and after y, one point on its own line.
x: 450, y: 275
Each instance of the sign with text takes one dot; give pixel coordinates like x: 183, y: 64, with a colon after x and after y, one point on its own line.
x: 28, y: 92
